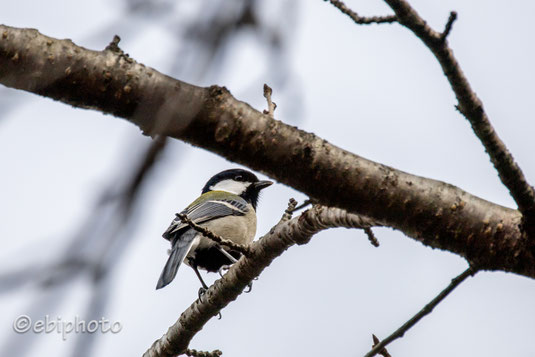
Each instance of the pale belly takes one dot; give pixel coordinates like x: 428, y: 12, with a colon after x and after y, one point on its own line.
x: 235, y: 228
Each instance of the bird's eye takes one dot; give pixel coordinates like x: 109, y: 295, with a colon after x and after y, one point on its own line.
x: 238, y: 178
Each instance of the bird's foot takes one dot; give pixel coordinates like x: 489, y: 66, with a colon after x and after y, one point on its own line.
x: 202, y: 291
x: 222, y: 269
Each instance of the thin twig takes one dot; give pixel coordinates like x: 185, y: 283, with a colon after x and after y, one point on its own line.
x: 362, y: 20
x: 472, y: 108
x: 449, y: 25
x: 218, y: 239
x: 303, y: 205
x: 383, y: 352
x: 371, y: 237
x: 271, y: 105
x: 423, y: 312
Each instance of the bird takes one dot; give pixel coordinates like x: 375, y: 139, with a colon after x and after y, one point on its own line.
x: 227, y: 208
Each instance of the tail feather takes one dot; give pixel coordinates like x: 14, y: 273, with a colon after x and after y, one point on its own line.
x: 178, y: 253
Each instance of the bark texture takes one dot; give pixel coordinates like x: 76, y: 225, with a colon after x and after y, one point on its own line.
x: 471, y: 107
x: 435, y: 213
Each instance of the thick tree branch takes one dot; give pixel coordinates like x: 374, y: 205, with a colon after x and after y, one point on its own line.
x: 472, y: 108
x: 287, y: 233
x: 433, y: 212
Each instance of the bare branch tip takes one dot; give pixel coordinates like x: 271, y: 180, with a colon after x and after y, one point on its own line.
x: 449, y: 26
x: 267, y: 90
x: 375, y: 340
x: 271, y: 105
x: 303, y: 205
x: 371, y: 236
x: 383, y: 352
x: 287, y: 215
x: 292, y: 203
x: 113, y: 46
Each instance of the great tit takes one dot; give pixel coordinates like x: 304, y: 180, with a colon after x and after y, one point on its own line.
x: 226, y: 207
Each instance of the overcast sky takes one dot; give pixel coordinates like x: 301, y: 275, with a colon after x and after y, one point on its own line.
x: 373, y: 90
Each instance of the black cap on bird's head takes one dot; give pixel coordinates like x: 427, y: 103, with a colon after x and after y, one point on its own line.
x: 239, y: 182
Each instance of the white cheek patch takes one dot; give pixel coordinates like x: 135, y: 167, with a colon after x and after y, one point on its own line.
x: 231, y: 186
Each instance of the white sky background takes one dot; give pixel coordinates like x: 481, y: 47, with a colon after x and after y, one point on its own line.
x: 373, y: 90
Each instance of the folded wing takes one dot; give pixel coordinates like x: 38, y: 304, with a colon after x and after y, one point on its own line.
x: 206, y: 209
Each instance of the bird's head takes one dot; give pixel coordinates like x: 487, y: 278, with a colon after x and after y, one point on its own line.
x: 239, y: 182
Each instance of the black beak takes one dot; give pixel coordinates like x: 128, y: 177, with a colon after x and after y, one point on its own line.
x: 262, y: 184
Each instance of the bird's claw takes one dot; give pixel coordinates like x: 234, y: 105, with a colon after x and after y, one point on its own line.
x: 202, y: 291
x: 223, y: 268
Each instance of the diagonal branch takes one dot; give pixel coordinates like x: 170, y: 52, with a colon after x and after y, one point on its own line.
x: 285, y: 234
x: 426, y: 310
x: 362, y: 20
x: 433, y: 212
x: 472, y: 108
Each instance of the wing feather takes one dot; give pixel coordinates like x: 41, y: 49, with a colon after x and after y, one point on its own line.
x: 206, y: 209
